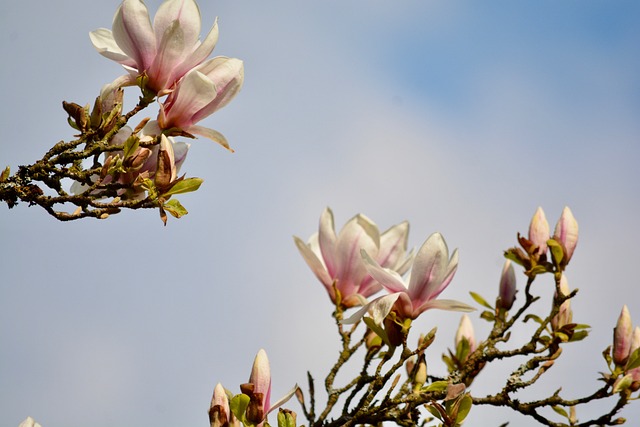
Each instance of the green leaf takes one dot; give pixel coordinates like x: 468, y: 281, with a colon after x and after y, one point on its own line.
x: 579, y: 336
x: 623, y: 384
x: 5, y: 174
x: 488, y: 316
x: 184, y: 186
x: 175, y: 208
x: 377, y: 330
x: 560, y: 411
x: 562, y: 336
x: 556, y: 251
x: 434, y: 411
x: 634, y: 360
x: 463, y: 408
x: 538, y: 269
x: 534, y: 318
x: 130, y: 146
x: 238, y: 406
x: 480, y: 300
x: 436, y: 386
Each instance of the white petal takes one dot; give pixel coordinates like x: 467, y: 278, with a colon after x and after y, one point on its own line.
x: 212, y: 134
x: 327, y: 239
x: 132, y: 31
x: 314, y: 263
x: 102, y: 40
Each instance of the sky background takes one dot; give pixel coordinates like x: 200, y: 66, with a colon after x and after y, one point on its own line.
x: 461, y: 117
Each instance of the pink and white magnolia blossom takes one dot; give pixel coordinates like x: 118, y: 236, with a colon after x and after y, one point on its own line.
x: 431, y: 273
x: 163, y: 52
x: 203, y: 90
x: 335, y: 258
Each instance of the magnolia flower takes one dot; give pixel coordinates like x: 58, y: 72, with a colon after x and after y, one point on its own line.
x: 566, y: 232
x: 162, y: 52
x: 539, y: 231
x: 431, y: 273
x: 335, y: 259
x: 29, y: 422
x: 259, y: 391
x: 507, y: 292
x: 203, y: 90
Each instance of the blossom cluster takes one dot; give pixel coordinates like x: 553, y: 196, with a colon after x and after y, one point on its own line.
x: 167, y: 60
x: 360, y: 261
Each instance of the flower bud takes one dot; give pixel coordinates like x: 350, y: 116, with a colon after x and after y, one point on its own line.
x: 635, y: 344
x: 219, y: 412
x: 565, y: 314
x: 539, y: 231
x: 507, y: 293
x: 622, y: 336
x: 566, y: 232
x: 29, y: 422
x: 465, y: 332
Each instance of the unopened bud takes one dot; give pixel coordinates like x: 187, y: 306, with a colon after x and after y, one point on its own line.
x: 465, y: 332
x: 565, y: 314
x: 507, y: 292
x: 622, y: 335
x: 166, y: 169
x: 566, y: 232
x: 137, y: 159
x: 539, y: 231
x: 421, y: 373
x: 219, y: 410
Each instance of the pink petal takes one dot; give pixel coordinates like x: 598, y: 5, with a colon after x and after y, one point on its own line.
x: 102, y: 39
x: 212, y: 134
x: 393, y: 245
x: 389, y: 279
x: 315, y: 264
x: 132, y: 31
x: 227, y: 74
x: 187, y: 15
x: 201, y: 52
x: 443, y: 304
x: 170, y: 53
x: 193, y: 93
x: 428, y: 268
x: 359, y: 233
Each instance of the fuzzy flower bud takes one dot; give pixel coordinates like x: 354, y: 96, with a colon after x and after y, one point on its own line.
x: 29, y: 422
x: 507, y: 294
x: 566, y: 232
x: 565, y: 315
x: 465, y: 332
x: 539, y: 231
x: 219, y: 412
x: 622, y: 336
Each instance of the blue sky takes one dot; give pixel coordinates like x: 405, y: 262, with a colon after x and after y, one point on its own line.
x: 459, y: 117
